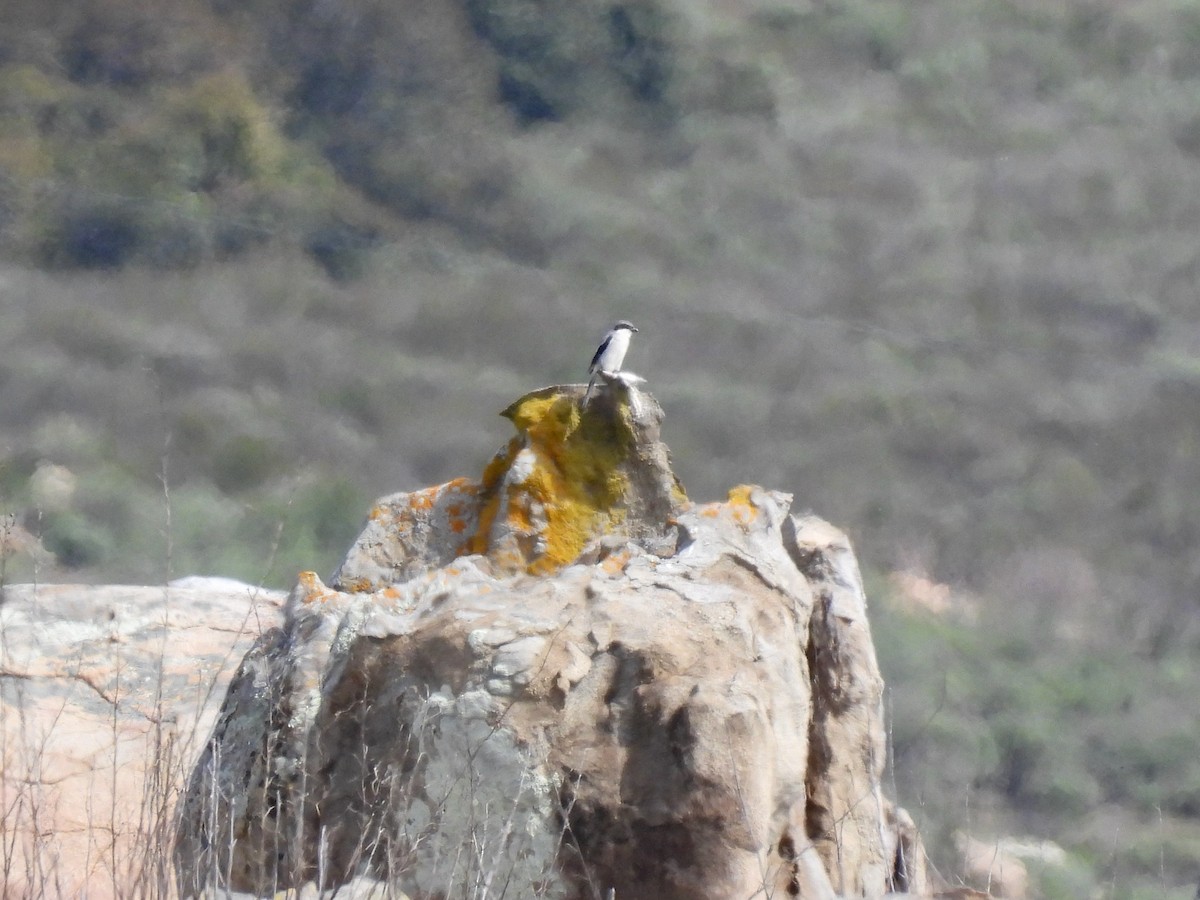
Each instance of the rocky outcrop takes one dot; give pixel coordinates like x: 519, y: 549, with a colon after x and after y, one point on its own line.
x: 565, y: 480
x: 107, y: 695
x: 1000, y: 865
x: 562, y: 680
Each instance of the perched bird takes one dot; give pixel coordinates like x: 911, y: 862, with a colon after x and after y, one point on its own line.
x: 609, y: 355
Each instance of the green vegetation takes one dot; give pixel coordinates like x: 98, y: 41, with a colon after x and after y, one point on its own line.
x: 996, y: 732
x: 932, y: 267
x: 1093, y: 747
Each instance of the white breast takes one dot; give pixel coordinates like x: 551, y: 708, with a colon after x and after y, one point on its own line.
x: 614, y: 354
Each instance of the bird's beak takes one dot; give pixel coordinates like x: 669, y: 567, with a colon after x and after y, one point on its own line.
x: 635, y: 329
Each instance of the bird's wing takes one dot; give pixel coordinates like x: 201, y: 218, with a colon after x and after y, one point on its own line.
x: 599, y: 352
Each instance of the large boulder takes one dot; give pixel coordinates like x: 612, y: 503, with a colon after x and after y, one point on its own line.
x: 107, y: 695
x: 562, y: 680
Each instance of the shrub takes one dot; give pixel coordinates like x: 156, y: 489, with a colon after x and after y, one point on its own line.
x: 874, y: 30
x: 96, y: 236
x: 237, y: 139
x: 76, y: 541
x: 245, y: 461
x: 341, y: 249
x: 642, y: 53
x: 557, y: 60
x: 130, y: 46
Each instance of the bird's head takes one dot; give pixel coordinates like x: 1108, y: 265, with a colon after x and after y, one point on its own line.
x: 624, y: 324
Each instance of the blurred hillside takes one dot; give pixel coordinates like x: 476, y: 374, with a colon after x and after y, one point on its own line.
x: 932, y: 266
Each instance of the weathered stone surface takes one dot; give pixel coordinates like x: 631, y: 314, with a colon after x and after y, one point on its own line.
x: 106, y: 697
x: 561, y: 681
x: 570, y: 477
x: 999, y: 864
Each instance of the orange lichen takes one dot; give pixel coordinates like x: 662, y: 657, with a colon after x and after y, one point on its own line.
x: 740, y: 507
x: 459, y: 513
x: 423, y: 499
x: 314, y: 590
x: 614, y: 564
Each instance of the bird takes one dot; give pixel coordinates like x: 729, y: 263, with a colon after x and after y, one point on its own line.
x: 609, y: 355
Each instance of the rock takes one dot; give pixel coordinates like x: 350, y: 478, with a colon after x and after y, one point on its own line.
x: 569, y: 477
x: 999, y: 872
x: 563, y: 680
x: 52, y: 487
x: 999, y: 864
x: 106, y: 696
x: 917, y: 594
x: 17, y: 541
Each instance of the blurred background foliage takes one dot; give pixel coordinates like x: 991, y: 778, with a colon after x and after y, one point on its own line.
x: 932, y: 266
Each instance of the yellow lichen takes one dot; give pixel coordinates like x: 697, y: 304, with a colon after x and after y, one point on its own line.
x: 546, y: 418
x: 493, y: 477
x: 679, y: 495
x: 741, y: 505
x: 494, y: 471
x: 568, y: 488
